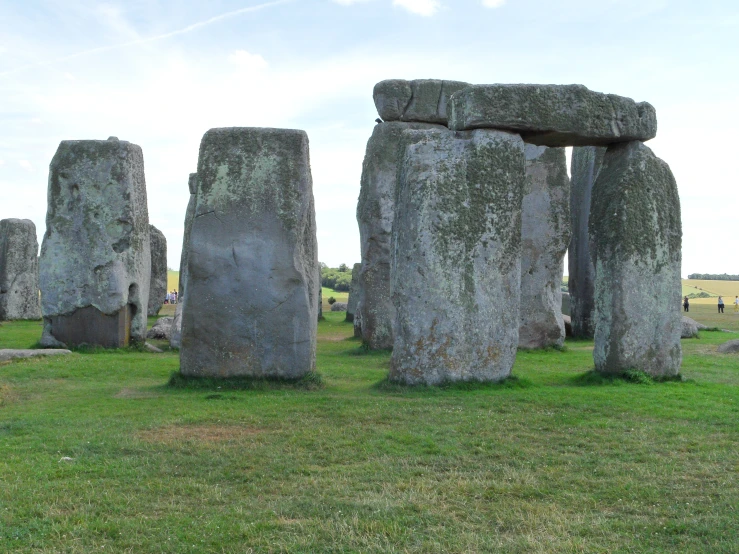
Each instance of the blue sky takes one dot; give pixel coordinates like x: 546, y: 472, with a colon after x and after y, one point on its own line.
x: 160, y: 73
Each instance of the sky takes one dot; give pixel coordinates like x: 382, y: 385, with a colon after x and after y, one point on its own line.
x: 160, y: 73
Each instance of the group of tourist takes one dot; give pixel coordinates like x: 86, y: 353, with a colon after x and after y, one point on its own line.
x: 171, y: 297
x: 686, y: 304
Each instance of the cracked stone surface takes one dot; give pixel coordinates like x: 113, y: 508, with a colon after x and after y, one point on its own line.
x: 636, y: 232
x: 19, y: 289
x: 251, y: 298
x: 457, y: 257
x: 420, y: 100
x: 95, y: 264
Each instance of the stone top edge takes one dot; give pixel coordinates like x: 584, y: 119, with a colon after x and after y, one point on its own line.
x: 18, y: 220
x: 274, y: 130
x: 550, y: 86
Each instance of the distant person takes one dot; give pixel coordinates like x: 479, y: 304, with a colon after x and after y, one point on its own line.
x: 720, y: 305
x: 736, y: 304
x: 686, y: 304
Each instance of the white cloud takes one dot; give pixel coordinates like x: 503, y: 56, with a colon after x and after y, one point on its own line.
x: 2, y: 163
x: 425, y: 8
x: 248, y: 61
x: 25, y: 164
x: 493, y: 3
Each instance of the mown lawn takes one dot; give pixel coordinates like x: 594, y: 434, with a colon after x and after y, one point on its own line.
x: 98, y: 454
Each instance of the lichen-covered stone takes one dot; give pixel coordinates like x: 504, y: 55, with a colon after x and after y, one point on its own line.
x: 251, y: 296
x: 375, y: 215
x: 95, y: 262
x: 162, y: 329
x: 351, y: 305
x: 8, y: 354
x: 553, y: 115
x: 729, y: 347
x: 545, y: 233
x: 19, y: 290
x: 566, y: 303
x: 420, y: 100
x: 175, y: 339
x: 689, y: 328
x: 457, y: 257
x: 338, y: 307
x: 637, y: 237
x: 586, y: 163
x: 158, y: 282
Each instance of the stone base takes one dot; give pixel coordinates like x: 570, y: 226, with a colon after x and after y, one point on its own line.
x: 89, y: 325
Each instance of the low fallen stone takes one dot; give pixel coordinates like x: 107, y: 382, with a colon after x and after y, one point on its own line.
x: 151, y: 348
x: 338, y: 307
x: 689, y: 328
x: 8, y: 354
x: 730, y: 347
x: 162, y: 329
x: 553, y: 115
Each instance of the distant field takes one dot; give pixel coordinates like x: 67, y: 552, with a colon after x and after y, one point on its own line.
x: 173, y: 280
x: 727, y: 289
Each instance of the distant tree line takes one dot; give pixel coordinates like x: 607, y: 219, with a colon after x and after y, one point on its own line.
x: 337, y: 278
x: 713, y: 277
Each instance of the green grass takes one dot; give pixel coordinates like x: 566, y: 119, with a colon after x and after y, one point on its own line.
x: 340, y: 297
x: 555, y: 460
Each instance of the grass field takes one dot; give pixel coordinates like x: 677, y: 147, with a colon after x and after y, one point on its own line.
x: 97, y: 453
x: 728, y: 289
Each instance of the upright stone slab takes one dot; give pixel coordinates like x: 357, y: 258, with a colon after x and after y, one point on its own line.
x: 351, y: 306
x: 175, y: 340
x: 19, y: 298
x: 636, y: 232
x: 553, y: 115
x: 252, y: 286
x: 375, y: 215
x: 420, y: 100
x: 586, y: 162
x: 158, y: 282
x: 545, y: 232
x: 457, y: 257
x: 95, y: 263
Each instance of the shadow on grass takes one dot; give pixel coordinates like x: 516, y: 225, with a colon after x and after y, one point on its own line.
x: 311, y: 381
x: 545, y: 349
x: 509, y: 383
x: 364, y: 350
x: 632, y: 376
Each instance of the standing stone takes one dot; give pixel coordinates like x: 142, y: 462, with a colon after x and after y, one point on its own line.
x: 545, y: 232
x: 19, y: 298
x: 636, y: 232
x: 457, y: 257
x: 420, y: 100
x: 375, y: 215
x: 175, y: 340
x: 252, y: 285
x: 95, y: 261
x: 566, y: 305
x: 553, y: 115
x: 586, y: 163
x: 158, y: 283
x: 351, y: 305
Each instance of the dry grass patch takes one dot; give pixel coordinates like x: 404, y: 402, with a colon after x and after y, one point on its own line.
x: 207, y: 433
x: 7, y: 395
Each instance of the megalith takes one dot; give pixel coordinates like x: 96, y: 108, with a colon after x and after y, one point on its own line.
x: 375, y: 215
x: 420, y: 100
x: 457, y: 256
x: 158, y: 282
x: 553, y: 115
x: 175, y: 339
x: 252, y: 283
x: 351, y: 305
x: 95, y: 264
x: 545, y: 233
x: 19, y: 291
x: 636, y: 234
x: 584, y: 168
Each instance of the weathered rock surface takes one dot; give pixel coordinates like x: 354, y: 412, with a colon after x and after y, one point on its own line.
x: 158, y: 281
x: 19, y: 290
x: 457, y: 257
x: 252, y: 286
x: 338, y: 307
x: 420, y: 100
x: 95, y: 262
x: 176, y: 333
x: 568, y: 325
x: 689, y: 328
x: 553, y: 115
x: 7, y: 354
x: 636, y: 232
x: 545, y: 233
x: 375, y: 215
x: 730, y: 347
x: 351, y: 305
x: 586, y: 163
x: 566, y: 303
x: 162, y: 329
